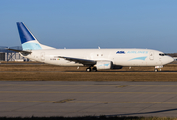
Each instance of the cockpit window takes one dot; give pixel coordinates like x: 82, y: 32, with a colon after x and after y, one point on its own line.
x: 162, y: 54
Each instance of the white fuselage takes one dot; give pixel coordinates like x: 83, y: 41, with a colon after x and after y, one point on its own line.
x: 121, y: 57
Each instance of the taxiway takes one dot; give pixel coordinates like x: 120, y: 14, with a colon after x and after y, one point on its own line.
x: 57, y: 98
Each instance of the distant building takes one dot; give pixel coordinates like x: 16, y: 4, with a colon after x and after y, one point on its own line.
x: 2, y: 56
x: 7, y: 55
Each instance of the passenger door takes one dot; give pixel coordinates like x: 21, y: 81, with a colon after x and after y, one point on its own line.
x: 151, y: 55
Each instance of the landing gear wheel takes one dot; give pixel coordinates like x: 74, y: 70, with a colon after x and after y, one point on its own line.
x: 156, y: 70
x: 88, y: 69
x: 94, y: 69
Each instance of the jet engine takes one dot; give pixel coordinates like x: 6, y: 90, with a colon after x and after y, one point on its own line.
x: 104, y: 65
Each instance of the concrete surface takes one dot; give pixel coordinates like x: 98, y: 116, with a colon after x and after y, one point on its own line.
x: 45, y: 98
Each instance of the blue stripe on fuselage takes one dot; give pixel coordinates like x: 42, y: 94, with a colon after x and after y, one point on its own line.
x: 139, y: 58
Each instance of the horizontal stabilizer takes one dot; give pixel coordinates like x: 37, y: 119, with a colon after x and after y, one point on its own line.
x: 21, y: 51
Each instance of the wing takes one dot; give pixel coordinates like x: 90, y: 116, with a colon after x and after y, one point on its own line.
x: 78, y: 60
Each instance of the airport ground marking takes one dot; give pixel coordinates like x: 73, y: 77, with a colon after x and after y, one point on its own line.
x: 91, y: 85
x: 71, y: 92
x: 104, y: 102
x: 73, y: 101
x: 28, y: 101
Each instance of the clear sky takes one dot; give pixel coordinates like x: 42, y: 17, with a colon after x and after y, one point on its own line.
x: 92, y: 23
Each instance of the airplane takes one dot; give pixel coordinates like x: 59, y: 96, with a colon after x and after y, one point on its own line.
x: 94, y: 59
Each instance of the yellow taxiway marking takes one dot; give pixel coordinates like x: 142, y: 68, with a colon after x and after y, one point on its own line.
x: 60, y: 92
x: 103, y: 102
x: 90, y: 85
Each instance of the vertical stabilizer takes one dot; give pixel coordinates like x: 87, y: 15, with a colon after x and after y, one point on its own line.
x: 28, y: 41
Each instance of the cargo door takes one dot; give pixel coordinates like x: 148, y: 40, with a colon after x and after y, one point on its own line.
x: 42, y: 56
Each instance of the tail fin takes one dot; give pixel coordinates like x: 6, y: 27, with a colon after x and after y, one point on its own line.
x: 28, y: 41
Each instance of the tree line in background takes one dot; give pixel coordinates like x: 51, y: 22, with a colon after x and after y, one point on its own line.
x: 172, y: 54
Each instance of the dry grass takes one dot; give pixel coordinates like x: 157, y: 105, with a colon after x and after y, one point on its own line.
x: 45, y: 72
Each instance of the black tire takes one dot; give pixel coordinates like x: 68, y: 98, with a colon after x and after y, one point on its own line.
x: 94, y: 69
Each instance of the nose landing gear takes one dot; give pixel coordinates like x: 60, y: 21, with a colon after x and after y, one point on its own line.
x: 158, y: 68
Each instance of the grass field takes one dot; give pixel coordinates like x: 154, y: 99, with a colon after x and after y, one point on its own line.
x: 44, y: 72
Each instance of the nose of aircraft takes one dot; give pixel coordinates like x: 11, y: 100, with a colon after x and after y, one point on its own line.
x: 170, y: 59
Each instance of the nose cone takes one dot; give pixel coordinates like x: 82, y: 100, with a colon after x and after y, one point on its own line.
x: 166, y: 60
x: 169, y: 59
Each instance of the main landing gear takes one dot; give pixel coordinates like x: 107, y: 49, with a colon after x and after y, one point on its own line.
x: 88, y: 69
x: 94, y: 69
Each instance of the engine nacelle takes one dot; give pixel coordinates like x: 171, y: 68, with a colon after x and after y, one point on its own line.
x: 104, y: 65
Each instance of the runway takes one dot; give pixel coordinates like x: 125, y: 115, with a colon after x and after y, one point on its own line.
x: 57, y: 98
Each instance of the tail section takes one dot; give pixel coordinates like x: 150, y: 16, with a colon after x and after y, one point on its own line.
x: 28, y: 41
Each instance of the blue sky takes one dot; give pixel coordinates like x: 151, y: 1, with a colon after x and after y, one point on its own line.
x: 92, y: 23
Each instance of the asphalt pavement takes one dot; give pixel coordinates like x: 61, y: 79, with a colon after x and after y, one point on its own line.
x: 57, y: 98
